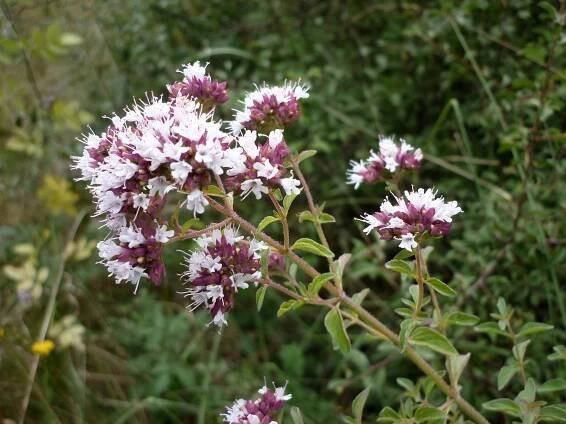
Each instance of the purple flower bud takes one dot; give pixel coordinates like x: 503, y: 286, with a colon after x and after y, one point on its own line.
x: 258, y: 411
x: 223, y: 264
x: 416, y: 213
x: 391, y: 158
x: 270, y: 107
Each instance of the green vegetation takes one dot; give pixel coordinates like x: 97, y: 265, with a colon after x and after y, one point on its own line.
x: 478, y: 85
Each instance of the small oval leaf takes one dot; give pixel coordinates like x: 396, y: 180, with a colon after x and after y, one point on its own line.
x: 427, y: 337
x: 335, y: 327
x: 311, y: 246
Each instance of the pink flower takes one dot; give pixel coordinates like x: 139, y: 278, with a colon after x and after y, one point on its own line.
x: 413, y: 215
x: 390, y: 158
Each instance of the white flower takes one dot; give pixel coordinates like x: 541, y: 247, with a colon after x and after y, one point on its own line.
x: 265, y: 169
x: 408, y: 242
x: 290, y: 185
x: 109, y: 203
x: 196, y: 201
x: 248, y: 142
x: 235, y: 161
x: 354, y: 174
x: 372, y: 222
x: 275, y: 137
x: 133, y: 237
x: 162, y: 234
x: 141, y: 200
x: 108, y: 249
x: 254, y: 186
x: 159, y: 185
x: 180, y: 171
x: 193, y: 70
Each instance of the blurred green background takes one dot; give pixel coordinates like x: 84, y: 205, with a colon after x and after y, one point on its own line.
x: 479, y: 85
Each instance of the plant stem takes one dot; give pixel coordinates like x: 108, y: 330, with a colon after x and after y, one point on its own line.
x: 197, y: 233
x: 48, y: 316
x: 420, y: 281
x: 283, y: 218
x: 366, y: 317
x: 312, y: 207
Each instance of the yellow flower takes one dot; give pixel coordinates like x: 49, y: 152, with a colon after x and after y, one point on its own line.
x: 2, y: 332
x: 43, y: 348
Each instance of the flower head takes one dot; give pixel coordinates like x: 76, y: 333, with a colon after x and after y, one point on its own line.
x: 200, y: 86
x: 258, y: 411
x: 414, y: 214
x: 257, y: 168
x: 270, y: 107
x: 391, y: 157
x: 223, y: 264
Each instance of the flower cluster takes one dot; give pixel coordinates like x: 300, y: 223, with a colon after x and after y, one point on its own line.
x: 224, y: 263
x: 390, y: 158
x: 257, y: 168
x: 413, y: 215
x: 270, y: 107
x: 200, y: 86
x: 156, y: 147
x: 173, y: 144
x: 259, y: 411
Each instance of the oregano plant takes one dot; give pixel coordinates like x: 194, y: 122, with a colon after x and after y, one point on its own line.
x: 166, y: 171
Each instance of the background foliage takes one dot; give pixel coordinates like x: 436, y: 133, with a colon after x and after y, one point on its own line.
x: 479, y: 85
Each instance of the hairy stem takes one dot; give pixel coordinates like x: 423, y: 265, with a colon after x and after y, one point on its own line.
x: 197, y: 233
x: 283, y: 218
x: 420, y: 280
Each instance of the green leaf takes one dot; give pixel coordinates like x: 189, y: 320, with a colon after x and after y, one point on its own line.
x: 259, y: 296
x: 358, y: 405
x: 304, y: 155
x: 407, y: 327
x: 266, y: 221
x: 440, y: 287
x: 213, y: 191
x: 553, y: 413
x: 317, y: 283
x: 359, y: 297
x: 427, y: 337
x: 289, y: 305
x: 335, y: 327
x: 505, y: 375
x: 296, y: 416
x: 399, y: 266
x: 528, y: 394
x: 455, y: 365
x: 403, y: 254
x: 559, y: 353
x: 461, y: 318
x: 554, y: 385
x: 490, y: 328
x: 388, y: 415
x: 520, y: 349
x: 192, y: 223
x: 425, y: 414
x: 533, y: 328
x: 311, y: 246
x: 306, y: 216
x: 287, y: 202
x: 405, y: 383
x: 341, y: 263
x: 504, y: 405
x: 326, y: 218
